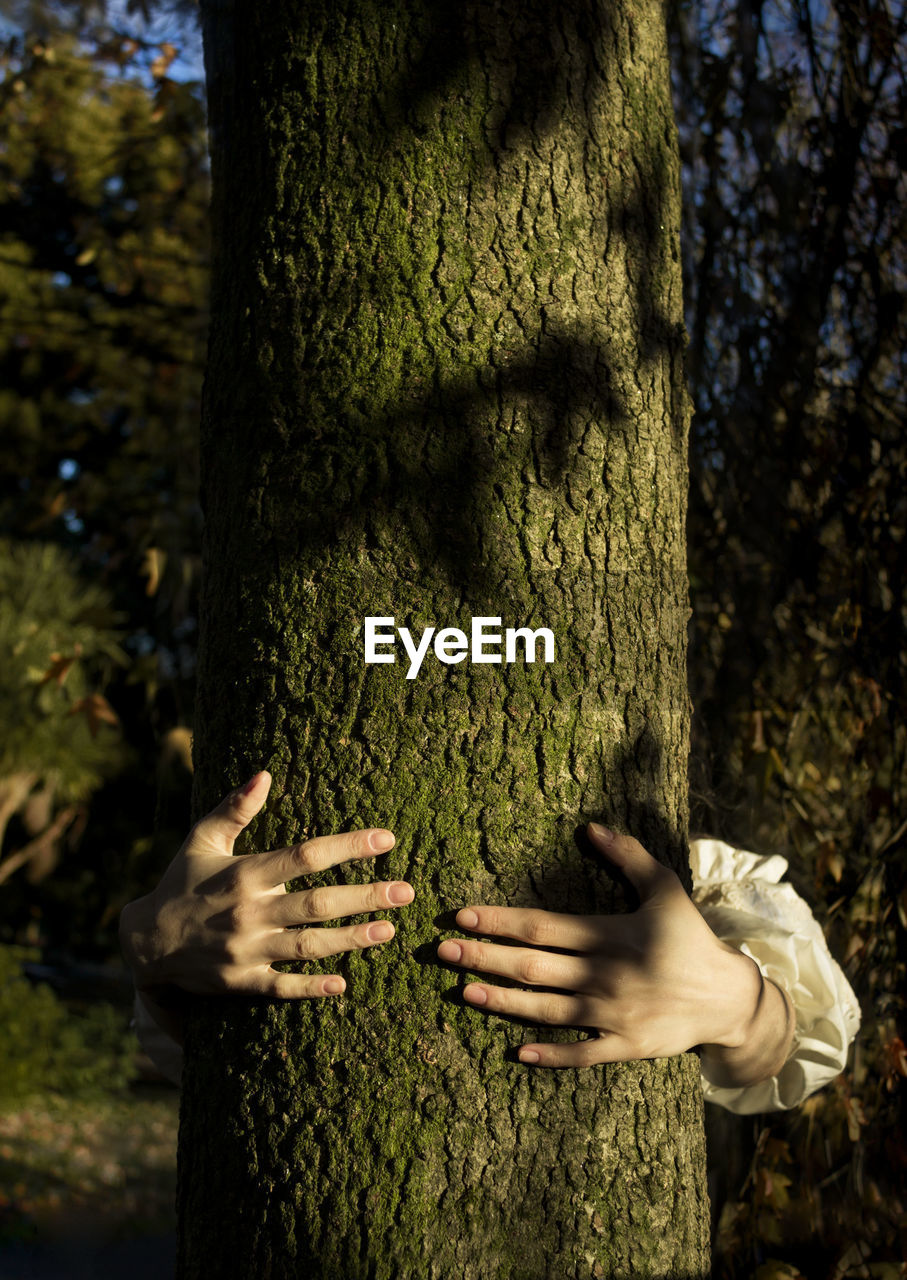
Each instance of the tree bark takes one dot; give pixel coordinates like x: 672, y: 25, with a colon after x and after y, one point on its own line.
x: 445, y: 381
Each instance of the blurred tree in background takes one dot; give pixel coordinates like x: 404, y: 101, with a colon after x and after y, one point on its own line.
x: 58, y: 650
x: 792, y: 123
x: 103, y: 267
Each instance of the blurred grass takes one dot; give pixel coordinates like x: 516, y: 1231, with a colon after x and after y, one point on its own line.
x: 49, y: 1046
x: 84, y: 1149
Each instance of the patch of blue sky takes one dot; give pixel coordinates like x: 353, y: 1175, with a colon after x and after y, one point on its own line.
x: 164, y: 27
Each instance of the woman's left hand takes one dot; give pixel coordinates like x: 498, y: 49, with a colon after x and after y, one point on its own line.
x: 652, y: 983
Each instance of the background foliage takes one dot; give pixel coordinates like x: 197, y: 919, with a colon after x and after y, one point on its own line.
x: 791, y: 117
x: 793, y: 140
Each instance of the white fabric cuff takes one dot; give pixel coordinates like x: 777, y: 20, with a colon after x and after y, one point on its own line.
x: 740, y: 897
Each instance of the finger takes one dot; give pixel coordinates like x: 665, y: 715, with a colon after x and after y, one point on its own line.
x: 579, y: 1053
x: 523, y: 964
x: 280, y: 865
x: 333, y: 902
x: 541, y: 928
x: 315, y: 944
x: 296, y: 986
x: 220, y: 828
x: 646, y: 874
x: 544, y: 1007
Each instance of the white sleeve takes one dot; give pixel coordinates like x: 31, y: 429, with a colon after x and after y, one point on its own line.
x: 161, y: 1048
x: 740, y: 896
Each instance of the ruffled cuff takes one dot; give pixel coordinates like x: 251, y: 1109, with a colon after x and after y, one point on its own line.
x: 740, y: 897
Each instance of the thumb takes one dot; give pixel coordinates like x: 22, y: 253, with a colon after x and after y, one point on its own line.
x: 645, y: 873
x: 222, y: 826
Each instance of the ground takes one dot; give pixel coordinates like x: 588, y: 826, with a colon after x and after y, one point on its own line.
x: 87, y: 1188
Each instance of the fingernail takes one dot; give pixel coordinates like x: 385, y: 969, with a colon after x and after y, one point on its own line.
x: 450, y: 950
x: 399, y: 893
x: 467, y: 918
x: 251, y: 785
x: 380, y: 932
x: 380, y: 841
x: 602, y: 832
x: 333, y: 986
x: 528, y: 1055
x: 475, y: 994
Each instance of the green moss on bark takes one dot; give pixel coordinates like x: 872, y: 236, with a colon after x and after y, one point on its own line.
x: 444, y: 381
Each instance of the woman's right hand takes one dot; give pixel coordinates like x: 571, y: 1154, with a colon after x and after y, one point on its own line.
x: 217, y: 922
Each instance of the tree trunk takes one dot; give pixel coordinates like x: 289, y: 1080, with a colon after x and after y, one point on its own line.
x: 445, y: 382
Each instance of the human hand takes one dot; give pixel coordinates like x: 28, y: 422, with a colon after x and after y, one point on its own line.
x: 217, y: 922
x: 652, y: 983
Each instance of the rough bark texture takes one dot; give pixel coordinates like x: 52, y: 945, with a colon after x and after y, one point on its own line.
x: 445, y: 381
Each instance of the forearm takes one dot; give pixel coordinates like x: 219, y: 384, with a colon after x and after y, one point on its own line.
x: 759, y: 1047
x: 168, y: 1020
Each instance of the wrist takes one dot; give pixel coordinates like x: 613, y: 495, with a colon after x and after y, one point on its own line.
x: 744, y: 986
x: 758, y: 1039
x: 138, y: 929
